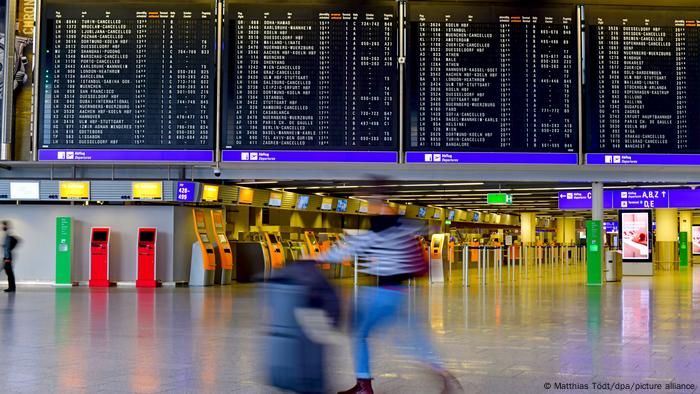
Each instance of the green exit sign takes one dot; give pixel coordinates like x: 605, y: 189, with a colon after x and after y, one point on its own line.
x: 499, y: 199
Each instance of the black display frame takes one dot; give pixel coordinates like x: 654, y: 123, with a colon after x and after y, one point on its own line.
x: 650, y: 234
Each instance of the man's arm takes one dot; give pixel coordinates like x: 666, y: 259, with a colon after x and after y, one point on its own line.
x: 350, y: 246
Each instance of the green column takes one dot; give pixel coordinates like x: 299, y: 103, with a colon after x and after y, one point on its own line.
x: 64, y: 250
x: 594, y: 251
x: 683, y: 249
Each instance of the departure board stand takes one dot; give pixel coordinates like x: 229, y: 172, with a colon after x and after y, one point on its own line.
x: 37, y: 78
x: 403, y: 9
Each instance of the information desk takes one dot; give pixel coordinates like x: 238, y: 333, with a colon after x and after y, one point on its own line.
x: 644, y: 77
x: 310, y: 83
x: 491, y: 84
x: 119, y: 77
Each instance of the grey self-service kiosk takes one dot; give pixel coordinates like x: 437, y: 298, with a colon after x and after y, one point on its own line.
x: 439, y: 259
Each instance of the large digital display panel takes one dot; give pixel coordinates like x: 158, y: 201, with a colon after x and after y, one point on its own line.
x: 643, y: 77
x: 635, y: 232
x: 632, y: 199
x: 127, y: 80
x: 492, y: 84
x: 311, y: 82
x: 696, y: 240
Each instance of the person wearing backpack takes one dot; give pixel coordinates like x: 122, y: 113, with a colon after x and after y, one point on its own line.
x: 390, y: 253
x: 10, y: 243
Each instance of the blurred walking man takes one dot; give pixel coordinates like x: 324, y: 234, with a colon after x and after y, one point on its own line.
x: 9, y: 244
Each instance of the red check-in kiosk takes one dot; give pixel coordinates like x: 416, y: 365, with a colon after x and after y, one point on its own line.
x: 99, y: 257
x: 146, y: 257
x: 224, y: 270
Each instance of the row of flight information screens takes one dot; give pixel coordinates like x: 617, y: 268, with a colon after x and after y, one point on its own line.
x: 137, y: 80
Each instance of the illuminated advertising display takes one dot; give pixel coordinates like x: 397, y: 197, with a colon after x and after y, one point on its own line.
x: 635, y: 232
x: 696, y: 240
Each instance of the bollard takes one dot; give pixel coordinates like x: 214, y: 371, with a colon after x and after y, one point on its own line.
x: 465, y: 266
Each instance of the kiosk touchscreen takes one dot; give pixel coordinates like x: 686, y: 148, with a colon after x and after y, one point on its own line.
x: 203, y: 263
x: 99, y: 257
x: 146, y: 257
x: 224, y: 269
x: 439, y: 260
x: 275, y: 249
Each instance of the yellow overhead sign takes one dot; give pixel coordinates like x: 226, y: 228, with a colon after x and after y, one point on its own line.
x: 210, y: 193
x: 147, y: 190
x: 74, y: 190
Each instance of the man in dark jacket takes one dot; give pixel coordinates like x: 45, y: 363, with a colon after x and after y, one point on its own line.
x: 8, y: 245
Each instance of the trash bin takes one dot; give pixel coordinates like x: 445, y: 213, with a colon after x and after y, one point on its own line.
x: 613, y: 266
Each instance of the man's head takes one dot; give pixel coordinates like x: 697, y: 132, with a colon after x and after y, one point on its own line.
x: 5, y: 225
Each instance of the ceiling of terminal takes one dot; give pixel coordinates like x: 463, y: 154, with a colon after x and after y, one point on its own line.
x: 527, y: 196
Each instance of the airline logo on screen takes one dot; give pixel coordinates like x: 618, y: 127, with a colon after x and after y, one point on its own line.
x: 619, y: 159
x: 255, y: 156
x: 440, y: 158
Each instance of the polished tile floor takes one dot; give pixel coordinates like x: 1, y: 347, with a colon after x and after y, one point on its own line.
x: 510, y: 335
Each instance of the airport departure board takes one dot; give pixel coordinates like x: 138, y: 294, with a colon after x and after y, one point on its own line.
x: 122, y: 76
x: 643, y: 77
x: 311, y: 82
x: 492, y: 79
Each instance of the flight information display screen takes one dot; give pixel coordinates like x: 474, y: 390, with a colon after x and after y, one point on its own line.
x: 492, y: 84
x: 643, y: 76
x: 127, y: 80
x: 311, y: 82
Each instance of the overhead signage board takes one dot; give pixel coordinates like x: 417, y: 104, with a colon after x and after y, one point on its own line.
x: 466, y: 102
x: 24, y: 190
x: 610, y: 227
x: 186, y: 192
x: 71, y: 190
x: 295, y: 115
x: 210, y: 193
x: 119, y: 109
x: 499, y: 199
x: 147, y: 190
x: 632, y: 199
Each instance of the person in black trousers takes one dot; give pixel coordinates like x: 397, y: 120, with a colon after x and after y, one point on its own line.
x: 8, y: 245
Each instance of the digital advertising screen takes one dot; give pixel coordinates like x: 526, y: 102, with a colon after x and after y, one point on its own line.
x: 636, y: 235
x: 696, y: 240
x: 127, y: 80
x: 311, y: 82
x: 491, y: 84
x: 643, y: 77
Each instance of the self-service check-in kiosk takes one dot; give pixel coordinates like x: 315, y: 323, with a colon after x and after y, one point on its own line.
x: 439, y: 259
x: 203, y: 263
x: 224, y: 269
x: 99, y: 257
x: 275, y: 249
x: 311, y: 243
x: 146, y: 257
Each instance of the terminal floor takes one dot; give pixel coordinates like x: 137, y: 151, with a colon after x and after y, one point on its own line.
x: 506, y: 336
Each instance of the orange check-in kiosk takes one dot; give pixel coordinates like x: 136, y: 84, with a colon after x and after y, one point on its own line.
x: 275, y: 250
x: 99, y: 257
x: 203, y: 262
x: 224, y: 269
x: 439, y: 261
x: 311, y: 243
x: 146, y: 257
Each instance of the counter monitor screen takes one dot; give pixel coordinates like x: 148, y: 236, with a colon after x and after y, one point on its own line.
x: 644, y: 77
x: 342, y: 206
x: 422, y: 211
x: 492, y: 79
x: 303, y: 202
x: 119, y: 76
x: 307, y: 78
x: 273, y: 238
x: 204, y: 238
